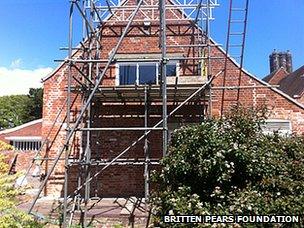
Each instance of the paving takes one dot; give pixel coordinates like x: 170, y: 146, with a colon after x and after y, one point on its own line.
x: 101, y: 212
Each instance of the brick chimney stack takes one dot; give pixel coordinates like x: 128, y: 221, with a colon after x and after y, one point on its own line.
x: 288, y: 62
x: 280, y: 59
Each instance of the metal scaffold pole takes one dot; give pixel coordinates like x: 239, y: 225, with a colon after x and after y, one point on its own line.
x: 209, y: 70
x: 68, y: 115
x: 163, y: 37
x: 146, y: 150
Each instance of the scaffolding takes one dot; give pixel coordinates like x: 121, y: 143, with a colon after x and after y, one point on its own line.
x: 87, y: 68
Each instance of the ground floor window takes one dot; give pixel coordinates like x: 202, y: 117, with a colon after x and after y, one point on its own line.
x: 25, y: 143
x: 142, y: 73
x: 283, y: 127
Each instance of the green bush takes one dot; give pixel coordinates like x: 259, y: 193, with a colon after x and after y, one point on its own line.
x: 229, y: 167
x: 10, y: 215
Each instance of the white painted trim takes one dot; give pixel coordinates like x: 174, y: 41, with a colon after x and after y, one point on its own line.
x: 281, y: 131
x: 21, y: 126
x: 24, y: 138
x: 117, y: 82
x: 177, y: 69
x: 117, y: 70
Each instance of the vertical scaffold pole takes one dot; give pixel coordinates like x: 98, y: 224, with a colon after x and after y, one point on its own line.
x: 209, y: 71
x: 87, y: 156
x: 162, y: 4
x: 67, y: 146
x: 146, y: 150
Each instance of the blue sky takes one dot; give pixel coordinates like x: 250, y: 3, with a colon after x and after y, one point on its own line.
x: 33, y: 30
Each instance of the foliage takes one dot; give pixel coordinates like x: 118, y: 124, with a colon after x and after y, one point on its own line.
x: 19, y: 109
x: 230, y: 167
x: 5, y: 146
x: 36, y: 96
x: 10, y: 215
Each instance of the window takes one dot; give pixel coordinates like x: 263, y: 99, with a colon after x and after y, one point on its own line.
x: 25, y: 143
x: 142, y: 73
x: 147, y: 74
x: 127, y: 74
x: 283, y: 127
x: 171, y: 69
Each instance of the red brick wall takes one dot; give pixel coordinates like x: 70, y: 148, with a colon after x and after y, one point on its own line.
x: 24, y: 159
x: 128, y: 180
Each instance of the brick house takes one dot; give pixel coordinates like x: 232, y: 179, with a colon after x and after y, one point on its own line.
x: 26, y: 139
x: 119, y: 102
x: 281, y: 74
x: 290, y: 83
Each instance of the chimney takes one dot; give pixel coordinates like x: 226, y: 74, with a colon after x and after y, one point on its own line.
x: 288, y: 62
x: 274, y: 61
x: 280, y: 59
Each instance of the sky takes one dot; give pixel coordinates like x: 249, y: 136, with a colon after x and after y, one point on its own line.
x: 32, y: 31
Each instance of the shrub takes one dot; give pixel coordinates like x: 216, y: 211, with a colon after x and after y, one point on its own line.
x: 10, y: 215
x: 5, y: 146
x: 229, y: 167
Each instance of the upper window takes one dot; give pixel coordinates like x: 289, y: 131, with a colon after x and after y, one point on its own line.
x: 127, y: 74
x: 147, y: 73
x: 142, y: 73
x: 171, y: 69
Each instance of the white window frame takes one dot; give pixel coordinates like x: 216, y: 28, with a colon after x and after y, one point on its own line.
x: 280, y: 131
x: 25, y: 143
x: 117, y: 65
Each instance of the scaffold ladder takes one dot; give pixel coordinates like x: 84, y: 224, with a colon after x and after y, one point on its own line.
x: 235, y: 42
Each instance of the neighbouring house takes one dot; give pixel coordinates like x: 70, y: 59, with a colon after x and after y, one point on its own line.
x: 26, y: 140
x: 291, y: 83
x: 119, y: 102
x: 25, y: 137
x: 276, y: 76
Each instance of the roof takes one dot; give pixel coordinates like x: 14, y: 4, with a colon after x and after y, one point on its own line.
x: 274, y: 77
x: 21, y: 126
x: 293, y: 84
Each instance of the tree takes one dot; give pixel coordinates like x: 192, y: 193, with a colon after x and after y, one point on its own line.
x: 36, y: 96
x: 229, y: 167
x: 14, y: 110
x: 19, y: 109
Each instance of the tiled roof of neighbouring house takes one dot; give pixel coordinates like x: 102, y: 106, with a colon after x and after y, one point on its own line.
x: 293, y: 84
